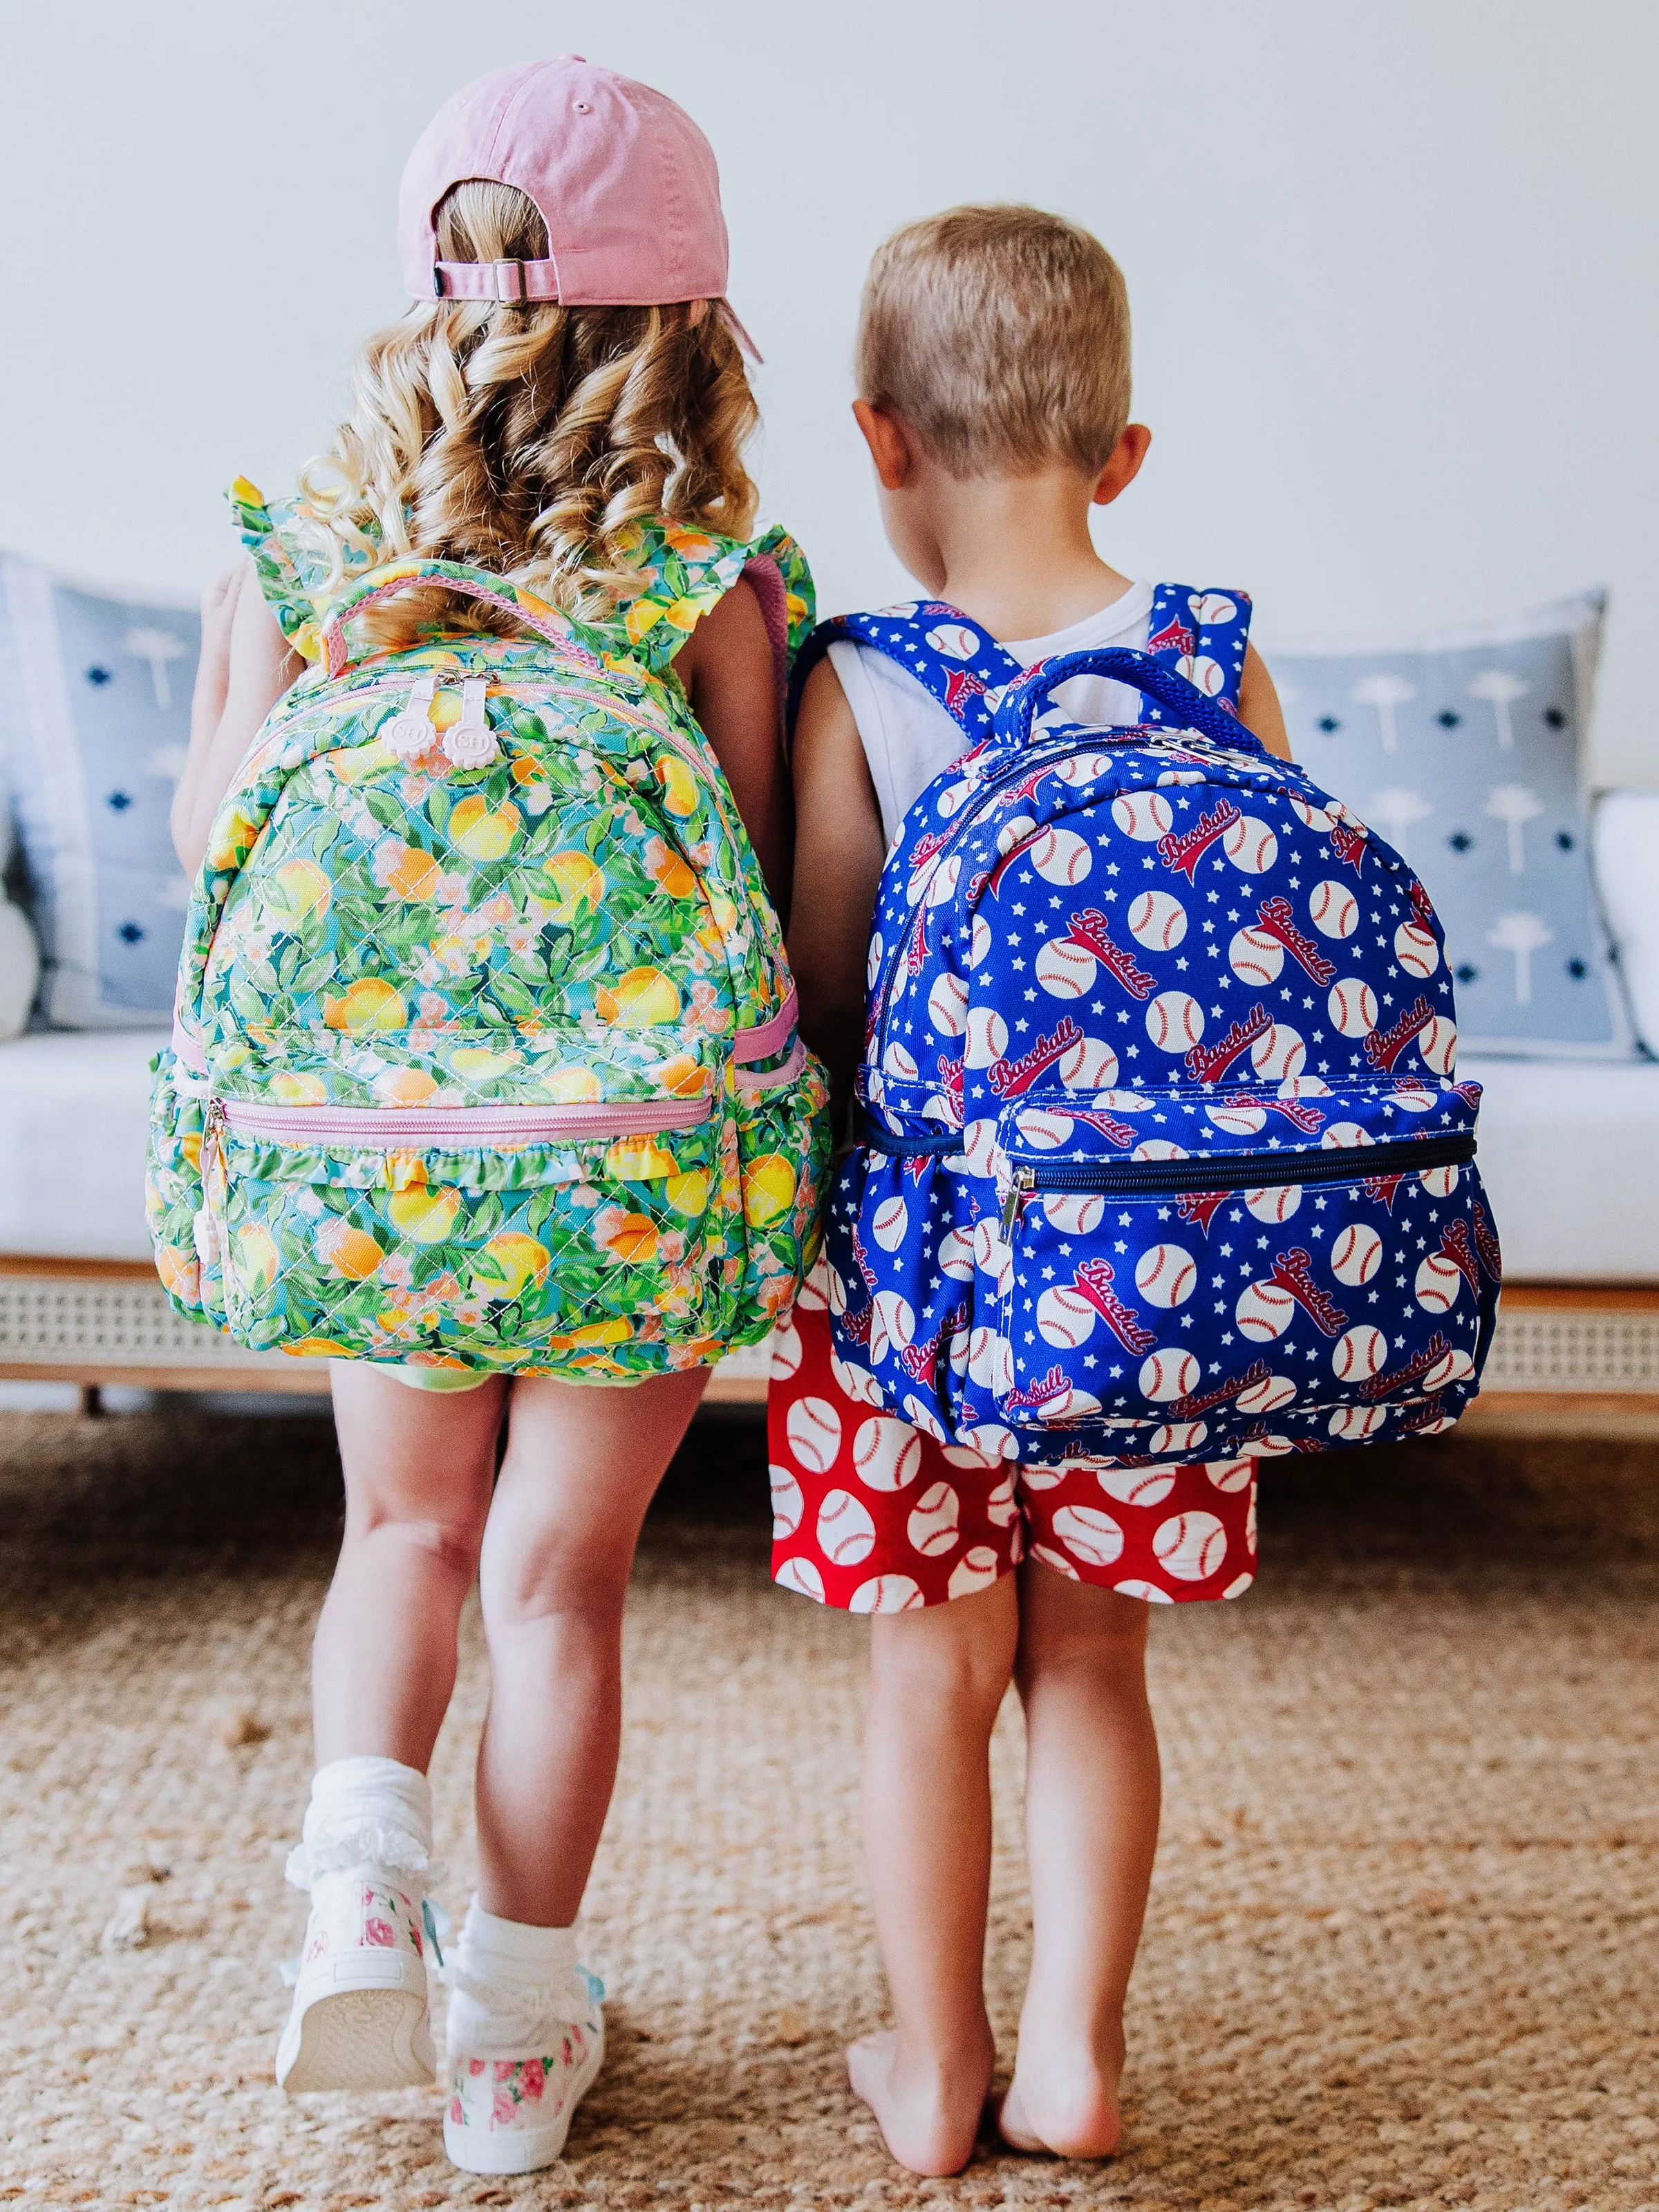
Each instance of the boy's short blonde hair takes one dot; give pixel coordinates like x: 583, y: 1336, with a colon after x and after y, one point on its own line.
x: 1001, y: 336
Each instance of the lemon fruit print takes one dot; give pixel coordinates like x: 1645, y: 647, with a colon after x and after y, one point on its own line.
x: 489, y: 1067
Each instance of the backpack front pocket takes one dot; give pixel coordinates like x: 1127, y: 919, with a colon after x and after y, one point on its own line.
x: 1248, y: 1302
x: 560, y: 1240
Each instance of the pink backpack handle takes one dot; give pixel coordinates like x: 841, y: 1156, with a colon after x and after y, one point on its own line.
x: 393, y: 576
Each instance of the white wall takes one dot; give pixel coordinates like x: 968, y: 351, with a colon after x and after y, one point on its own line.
x: 1392, y: 267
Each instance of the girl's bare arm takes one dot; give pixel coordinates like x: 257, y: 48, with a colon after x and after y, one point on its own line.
x: 1258, y: 705
x: 839, y: 851
x: 245, y: 666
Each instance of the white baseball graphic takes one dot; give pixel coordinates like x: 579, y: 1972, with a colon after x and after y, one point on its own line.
x: 1175, y: 1021
x: 1056, y: 1562
x: 1358, y: 1353
x: 1211, y: 608
x: 1415, y: 950
x: 788, y: 1502
x: 1456, y: 1367
x: 892, y: 1220
x: 950, y: 802
x: 1439, y: 1182
x: 1148, y: 1593
x: 1269, y: 1397
x: 846, y: 1533
x: 956, y: 1255
x: 899, y: 1063
x: 1264, y: 1311
x: 1255, y: 956
x: 1353, y: 1008
x: 886, y: 1453
x: 1305, y: 1086
x: 1158, y: 1148
x: 1438, y: 1281
x: 1158, y: 920
x: 1090, y: 1533
x: 947, y: 1005
x: 1165, y: 1275
x: 786, y: 1351
x: 980, y: 1149
x: 955, y: 640
x: 1250, y: 845
x: 815, y: 1291
x: 1043, y: 1131
x: 1340, y: 1136
x: 1065, y: 1318
x: 991, y: 1360
x: 987, y: 1036
x: 1437, y: 1046
x: 922, y: 1416
x: 1014, y: 831
x: 991, y: 1253
x: 1279, y: 1051
x: 1238, y: 1121
x: 1357, y: 1254
x: 1064, y: 969
x: 1191, y: 1547
x: 973, y: 1571
x: 934, y: 1521
x: 1209, y: 676
x: 1178, y: 1437
x: 873, y: 965
x: 1001, y: 1506
x: 892, y: 1322
x: 1230, y: 1475
x: 1414, y: 1098
x: 1074, y: 1213
x: 1314, y: 817
x: 1143, y: 815
x: 1088, y: 1065
x: 1168, y: 1375
x: 1334, y: 908
x: 887, y: 1593
x: 1351, y: 1423
x: 802, y: 1576
x: 979, y: 943
x: 813, y: 1428
x: 1277, y: 1204
x: 1134, y: 1485
x: 993, y: 1440
x: 863, y: 1389
x: 942, y: 883
x: 1060, y: 856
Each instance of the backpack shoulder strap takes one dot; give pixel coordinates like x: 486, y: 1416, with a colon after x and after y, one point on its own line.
x: 951, y: 657
x: 1202, y: 636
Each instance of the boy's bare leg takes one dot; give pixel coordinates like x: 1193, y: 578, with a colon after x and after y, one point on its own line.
x: 1092, y: 1790
x: 937, y: 1679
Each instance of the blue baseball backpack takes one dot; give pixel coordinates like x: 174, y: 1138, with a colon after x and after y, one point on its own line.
x: 1161, y: 1154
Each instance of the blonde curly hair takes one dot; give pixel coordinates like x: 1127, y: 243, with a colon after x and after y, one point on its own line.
x: 530, y: 440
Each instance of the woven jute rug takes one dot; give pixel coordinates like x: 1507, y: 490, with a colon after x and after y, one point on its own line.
x: 1402, y: 1942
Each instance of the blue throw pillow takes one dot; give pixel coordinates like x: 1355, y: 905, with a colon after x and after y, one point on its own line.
x: 1463, y: 752
x: 94, y: 718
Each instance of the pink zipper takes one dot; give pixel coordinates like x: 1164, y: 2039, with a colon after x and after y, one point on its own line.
x: 423, y: 1127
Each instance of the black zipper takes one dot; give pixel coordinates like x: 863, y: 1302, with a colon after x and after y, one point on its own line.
x: 1233, y: 1171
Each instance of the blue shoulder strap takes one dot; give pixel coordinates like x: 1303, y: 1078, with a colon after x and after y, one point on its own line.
x: 1202, y: 636
x: 949, y: 656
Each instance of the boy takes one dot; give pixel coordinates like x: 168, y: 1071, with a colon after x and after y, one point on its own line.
x: 993, y: 372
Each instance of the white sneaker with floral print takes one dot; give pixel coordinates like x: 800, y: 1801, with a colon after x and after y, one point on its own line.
x: 361, y: 2000
x: 511, y: 2097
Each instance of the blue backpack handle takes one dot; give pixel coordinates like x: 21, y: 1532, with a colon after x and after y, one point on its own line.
x: 1187, y: 706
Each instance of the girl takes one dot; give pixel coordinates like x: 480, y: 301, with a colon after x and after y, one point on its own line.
x: 568, y: 409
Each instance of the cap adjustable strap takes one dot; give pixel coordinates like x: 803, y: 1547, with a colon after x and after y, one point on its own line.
x: 504, y: 281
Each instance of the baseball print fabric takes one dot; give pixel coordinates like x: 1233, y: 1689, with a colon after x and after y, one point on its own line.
x: 1465, y: 751
x: 1163, y: 1158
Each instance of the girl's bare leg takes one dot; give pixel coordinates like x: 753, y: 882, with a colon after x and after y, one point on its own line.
x: 937, y: 1679
x: 1093, y: 1789
x: 419, y: 1466
x: 582, y: 1466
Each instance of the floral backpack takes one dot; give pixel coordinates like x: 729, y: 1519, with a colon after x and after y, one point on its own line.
x: 485, y: 1052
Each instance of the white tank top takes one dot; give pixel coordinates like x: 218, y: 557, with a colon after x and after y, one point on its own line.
x: 908, y: 737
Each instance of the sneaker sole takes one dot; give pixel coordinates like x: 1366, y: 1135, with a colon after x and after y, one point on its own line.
x: 519, y: 2150
x: 357, y: 2039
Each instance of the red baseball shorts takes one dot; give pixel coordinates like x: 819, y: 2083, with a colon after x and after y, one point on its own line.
x: 872, y: 1515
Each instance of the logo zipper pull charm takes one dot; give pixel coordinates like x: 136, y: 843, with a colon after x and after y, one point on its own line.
x: 471, y: 743
x: 410, y: 734
x: 1023, y: 1184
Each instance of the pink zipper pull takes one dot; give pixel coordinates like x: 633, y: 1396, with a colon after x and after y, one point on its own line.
x: 410, y: 734
x: 471, y: 743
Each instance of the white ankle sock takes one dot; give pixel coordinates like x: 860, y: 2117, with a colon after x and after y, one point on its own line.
x: 365, y: 1815
x: 508, y: 1978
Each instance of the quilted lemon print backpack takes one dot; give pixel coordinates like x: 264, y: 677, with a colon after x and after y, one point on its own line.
x: 485, y: 1052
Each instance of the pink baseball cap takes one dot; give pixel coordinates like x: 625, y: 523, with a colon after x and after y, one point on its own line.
x: 622, y: 178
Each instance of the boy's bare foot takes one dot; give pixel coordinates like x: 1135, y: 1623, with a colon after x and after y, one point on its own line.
x: 929, y: 2114
x: 1062, y: 2103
